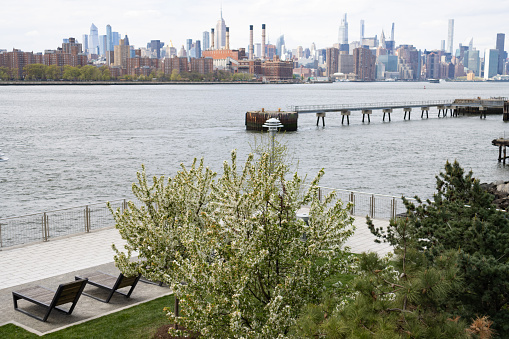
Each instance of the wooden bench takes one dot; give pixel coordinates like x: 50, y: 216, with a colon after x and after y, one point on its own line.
x: 66, y: 293
x: 110, y: 283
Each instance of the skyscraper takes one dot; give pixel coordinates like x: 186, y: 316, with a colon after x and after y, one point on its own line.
x: 85, y: 42
x: 280, y: 42
x: 220, y: 32
x: 189, y: 45
x: 392, y: 32
x: 362, y: 30
x: 206, y: 40
x: 93, y: 40
x: 109, y: 38
x: 450, y: 36
x: 490, y: 63
x: 343, y: 31
x: 501, y: 53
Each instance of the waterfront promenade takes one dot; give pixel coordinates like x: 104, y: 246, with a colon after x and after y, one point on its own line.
x: 59, y: 260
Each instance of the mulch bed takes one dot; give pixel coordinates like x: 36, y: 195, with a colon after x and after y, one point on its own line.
x: 162, y: 333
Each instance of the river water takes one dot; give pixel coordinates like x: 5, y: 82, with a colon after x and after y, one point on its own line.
x: 74, y: 145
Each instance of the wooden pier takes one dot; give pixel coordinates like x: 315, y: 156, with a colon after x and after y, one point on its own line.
x: 501, y: 143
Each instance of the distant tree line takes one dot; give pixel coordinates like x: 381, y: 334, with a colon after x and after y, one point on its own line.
x: 40, y: 72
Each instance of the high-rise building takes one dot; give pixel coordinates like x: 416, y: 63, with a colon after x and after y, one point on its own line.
x: 102, y: 44
x: 197, y: 48
x: 279, y: 43
x: 85, y: 42
x: 332, y: 56
x: 109, y: 39
x: 501, y: 52
x: 409, y: 58
x: 93, y: 40
x: 189, y: 45
x: 474, y: 61
x: 450, y: 36
x: 343, y: 31
x: 122, y: 53
x: 155, y: 48
x: 206, y: 40
x: 442, y: 45
x: 433, y: 65
x: 115, y: 38
x: 220, y: 32
x: 364, y: 64
x: 392, y: 32
x: 490, y: 63
x: 362, y: 30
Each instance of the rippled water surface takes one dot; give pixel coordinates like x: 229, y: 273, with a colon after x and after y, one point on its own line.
x: 73, y: 145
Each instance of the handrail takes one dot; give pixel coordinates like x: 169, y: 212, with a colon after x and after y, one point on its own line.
x: 44, y: 226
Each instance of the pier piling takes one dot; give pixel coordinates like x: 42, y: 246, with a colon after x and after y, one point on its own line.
x: 347, y: 114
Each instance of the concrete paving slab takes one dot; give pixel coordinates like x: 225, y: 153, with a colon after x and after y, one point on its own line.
x: 86, y: 309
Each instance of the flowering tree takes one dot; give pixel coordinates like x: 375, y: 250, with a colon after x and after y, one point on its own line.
x: 244, y: 264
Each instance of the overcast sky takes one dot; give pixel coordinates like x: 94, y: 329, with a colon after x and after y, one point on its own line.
x: 32, y: 25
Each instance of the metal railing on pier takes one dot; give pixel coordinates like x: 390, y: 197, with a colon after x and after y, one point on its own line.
x: 45, y: 226
x: 364, y: 106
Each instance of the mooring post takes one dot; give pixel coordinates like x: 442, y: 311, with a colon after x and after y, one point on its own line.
x: 500, y: 153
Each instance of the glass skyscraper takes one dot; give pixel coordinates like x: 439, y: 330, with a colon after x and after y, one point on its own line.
x: 343, y: 31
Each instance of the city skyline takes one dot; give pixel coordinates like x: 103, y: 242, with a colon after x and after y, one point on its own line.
x: 35, y: 26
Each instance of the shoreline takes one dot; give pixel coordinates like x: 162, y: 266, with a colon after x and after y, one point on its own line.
x: 115, y: 83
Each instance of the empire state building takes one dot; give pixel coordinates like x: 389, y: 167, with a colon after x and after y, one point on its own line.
x: 221, y: 32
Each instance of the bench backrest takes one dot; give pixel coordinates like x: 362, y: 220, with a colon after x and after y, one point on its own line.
x: 127, y: 281
x: 68, y: 292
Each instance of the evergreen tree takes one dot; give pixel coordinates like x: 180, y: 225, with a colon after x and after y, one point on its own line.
x: 461, y: 217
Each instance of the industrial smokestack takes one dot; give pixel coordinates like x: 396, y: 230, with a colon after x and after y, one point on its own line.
x: 227, y: 37
x: 263, y: 41
x: 251, y: 46
x: 212, y: 37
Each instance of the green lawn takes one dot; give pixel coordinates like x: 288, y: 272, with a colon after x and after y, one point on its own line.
x: 140, y: 321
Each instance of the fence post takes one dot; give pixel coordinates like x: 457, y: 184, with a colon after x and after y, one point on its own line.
x: 319, y: 194
x: 45, y: 231
x: 124, y: 206
x: 372, y: 206
x: 87, y: 219
x: 352, y: 200
x: 1, y: 236
x: 393, y: 208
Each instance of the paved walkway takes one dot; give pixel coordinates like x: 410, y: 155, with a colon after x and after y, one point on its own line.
x: 47, y: 259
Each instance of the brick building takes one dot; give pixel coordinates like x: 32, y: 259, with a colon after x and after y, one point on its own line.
x: 364, y: 64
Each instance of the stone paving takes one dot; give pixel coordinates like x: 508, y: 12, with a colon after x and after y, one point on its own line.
x: 58, y: 260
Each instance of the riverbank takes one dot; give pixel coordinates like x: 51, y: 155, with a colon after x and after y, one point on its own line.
x: 114, y: 83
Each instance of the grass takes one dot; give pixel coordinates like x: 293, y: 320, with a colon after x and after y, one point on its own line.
x: 141, y: 321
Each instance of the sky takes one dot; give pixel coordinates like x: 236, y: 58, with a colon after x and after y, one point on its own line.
x: 31, y: 25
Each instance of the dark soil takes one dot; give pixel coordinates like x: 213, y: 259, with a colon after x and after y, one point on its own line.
x: 162, y: 333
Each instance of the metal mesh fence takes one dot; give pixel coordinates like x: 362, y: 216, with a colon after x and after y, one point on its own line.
x: 47, y: 225
x: 367, y: 204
